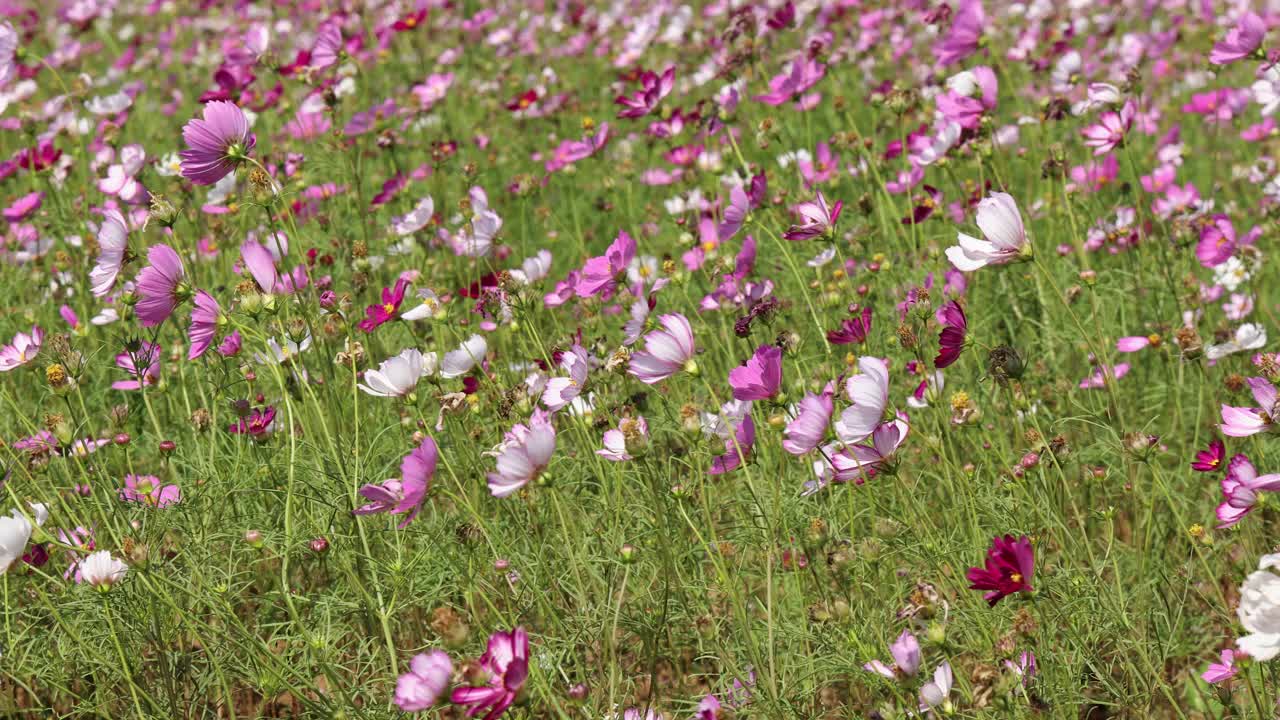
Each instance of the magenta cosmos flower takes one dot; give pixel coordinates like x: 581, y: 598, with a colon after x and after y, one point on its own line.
x: 205, y: 317
x: 1210, y: 459
x: 406, y: 494
x: 654, y: 87
x: 387, y: 310
x: 1006, y: 239
x: 1240, y: 41
x: 22, y: 350
x: 1007, y: 569
x: 216, y: 144
x: 160, y: 286
x: 506, y: 661
x: 256, y: 424
x: 852, y: 330
x: 524, y: 454
x: 148, y: 490
x: 1243, y: 422
x: 666, y: 351
x: 951, y: 339
x: 428, y: 676
x: 965, y: 34
x: 761, y: 377
x: 737, y: 448
x: 142, y: 365
x: 1242, y: 488
x: 1224, y: 670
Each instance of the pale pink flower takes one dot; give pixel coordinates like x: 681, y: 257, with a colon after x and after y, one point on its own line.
x: 1006, y: 239
x: 22, y: 350
x: 666, y: 351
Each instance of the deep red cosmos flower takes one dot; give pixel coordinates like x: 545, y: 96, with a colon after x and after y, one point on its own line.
x: 1008, y: 568
x: 388, y: 309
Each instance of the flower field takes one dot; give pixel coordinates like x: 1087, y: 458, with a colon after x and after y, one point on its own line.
x: 639, y: 360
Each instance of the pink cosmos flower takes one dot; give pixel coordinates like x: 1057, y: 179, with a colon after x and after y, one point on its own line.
x: 405, y: 495
x: 160, y: 286
x: 22, y: 350
x: 761, y: 377
x: 708, y: 709
x: 969, y: 94
x: 121, y: 178
x: 737, y: 448
x: 428, y: 676
x: 24, y: 207
x: 653, y: 89
x: 1100, y: 377
x: 506, y: 660
x: 599, y: 274
x: 328, y: 45
x: 962, y: 39
x: 376, y: 315
x: 1243, y: 422
x: 622, y: 441
x: 142, y: 365
x: 905, y: 652
x: 735, y: 214
x: 809, y: 428
x: 205, y: 316
x: 1210, y: 459
x: 1217, y: 241
x: 8, y: 52
x: 1008, y: 569
x: 216, y: 144
x: 857, y: 461
x: 819, y: 219
x: 524, y: 454
x: 805, y: 73
x: 1241, y: 490
x: 937, y: 692
x: 1006, y: 239
x: 148, y: 490
x: 1133, y: 343
x: 666, y: 351
x: 1108, y: 133
x: 1224, y: 670
x: 261, y: 263
x: 869, y: 393
x: 1241, y: 41
x: 113, y: 240
x: 561, y: 391
x: 257, y: 424
x: 951, y: 338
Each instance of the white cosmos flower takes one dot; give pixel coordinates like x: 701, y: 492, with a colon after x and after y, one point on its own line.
x: 101, y: 570
x: 109, y: 104
x: 1266, y: 90
x: 15, y: 531
x: 429, y: 307
x: 1260, y: 611
x: 533, y: 269
x: 398, y: 376
x: 1249, y: 336
x: 417, y: 218
x: 459, y: 362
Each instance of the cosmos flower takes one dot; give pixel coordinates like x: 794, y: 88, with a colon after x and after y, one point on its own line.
x: 216, y: 144
x: 142, y: 366
x: 22, y: 350
x: 951, y: 338
x: 428, y: 676
x: 148, y: 490
x: 936, y: 692
x: 101, y: 570
x: 905, y: 652
x: 666, y: 351
x: 1240, y: 41
x: 1001, y: 225
x: 406, y: 494
x: 1108, y: 133
x: 160, y: 286
x: 506, y: 661
x: 206, y: 314
x: 1243, y: 422
x: 415, y: 219
x: 1008, y: 568
x: 761, y: 377
x: 524, y: 454
x: 8, y: 52
x: 598, y: 276
x: 963, y: 38
x: 819, y: 219
x: 809, y: 428
x: 457, y: 363
x: 852, y: 330
x: 1259, y: 611
x: 620, y: 443
x: 399, y: 375
x: 654, y: 87
x: 561, y: 391
x: 1241, y: 490
x: 737, y: 448
x: 15, y: 532
x: 257, y: 424
x: 380, y: 313
x: 869, y: 393
x: 1210, y: 459
x: 113, y: 240
x: 1223, y: 670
